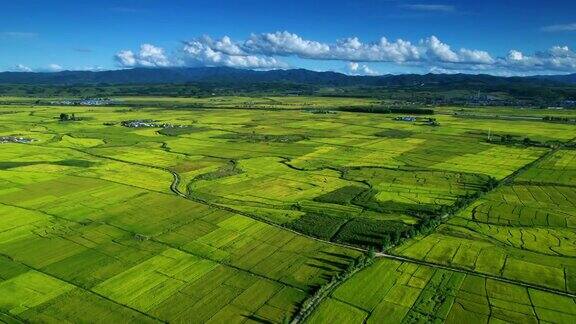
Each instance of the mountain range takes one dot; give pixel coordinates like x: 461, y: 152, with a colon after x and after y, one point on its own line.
x: 242, y: 76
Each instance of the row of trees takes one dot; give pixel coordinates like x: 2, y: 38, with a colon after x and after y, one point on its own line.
x: 507, y: 139
x: 559, y: 119
x: 389, y: 110
x: 308, y: 305
x: 429, y: 221
x: 424, y: 226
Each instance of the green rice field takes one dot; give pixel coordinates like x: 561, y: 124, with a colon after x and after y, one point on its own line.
x: 241, y: 209
x: 403, y: 292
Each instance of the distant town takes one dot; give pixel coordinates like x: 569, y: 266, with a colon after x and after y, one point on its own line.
x: 86, y: 102
x: 141, y: 123
x: 15, y: 139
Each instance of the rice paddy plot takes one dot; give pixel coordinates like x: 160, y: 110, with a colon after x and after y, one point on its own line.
x: 559, y: 169
x: 400, y: 292
x: 496, y: 161
x: 117, y: 249
x: 469, y: 247
x: 434, y: 188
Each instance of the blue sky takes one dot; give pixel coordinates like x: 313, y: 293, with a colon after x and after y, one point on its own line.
x: 498, y: 37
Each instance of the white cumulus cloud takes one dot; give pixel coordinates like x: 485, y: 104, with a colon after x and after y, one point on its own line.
x: 475, y: 56
x: 355, y: 68
x: 436, y: 50
x: 557, y: 58
x: 148, y: 56
x: 125, y: 58
x: 206, y: 52
x: 22, y: 68
x: 268, y: 50
x: 288, y: 44
x: 284, y: 43
x: 55, y: 67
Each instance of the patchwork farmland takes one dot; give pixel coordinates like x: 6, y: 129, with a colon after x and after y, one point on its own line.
x: 234, y: 214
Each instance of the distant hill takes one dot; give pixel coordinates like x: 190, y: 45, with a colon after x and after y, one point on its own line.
x: 568, y: 78
x: 240, y: 76
x: 176, y: 75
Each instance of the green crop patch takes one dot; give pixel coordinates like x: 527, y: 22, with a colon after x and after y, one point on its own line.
x: 333, y: 311
x: 181, y: 130
x: 229, y: 169
x: 73, y: 163
x: 343, y: 196
x: 394, y: 133
x: 559, y: 169
x: 400, y: 292
x: 323, y: 226
x: 368, y: 200
x: 367, y: 232
x: 28, y: 290
x: 83, y: 306
x: 265, y: 138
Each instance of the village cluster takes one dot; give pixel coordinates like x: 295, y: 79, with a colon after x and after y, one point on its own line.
x: 85, y: 102
x: 15, y: 139
x: 140, y: 123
